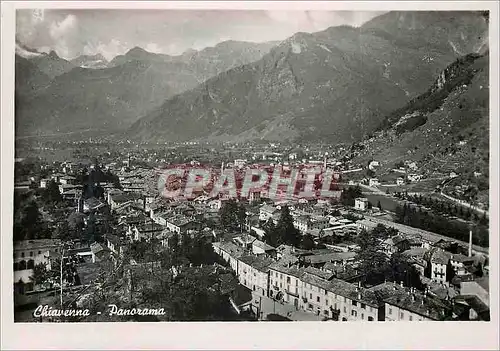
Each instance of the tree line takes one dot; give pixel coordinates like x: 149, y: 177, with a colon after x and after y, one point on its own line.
x: 417, y: 218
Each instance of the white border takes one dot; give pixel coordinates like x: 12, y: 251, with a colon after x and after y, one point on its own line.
x: 306, y: 335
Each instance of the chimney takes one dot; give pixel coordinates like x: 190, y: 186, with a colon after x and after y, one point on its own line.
x: 470, y: 243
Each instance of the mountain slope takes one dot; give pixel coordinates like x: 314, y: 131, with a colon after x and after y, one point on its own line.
x: 90, y: 61
x: 443, y: 130
x: 114, y: 97
x: 337, y: 85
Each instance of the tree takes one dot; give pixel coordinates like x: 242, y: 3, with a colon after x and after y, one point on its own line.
x: 270, y: 234
x: 307, y: 242
x: 372, y: 261
x: 286, y: 231
x: 40, y: 273
x: 51, y: 194
x: 232, y: 215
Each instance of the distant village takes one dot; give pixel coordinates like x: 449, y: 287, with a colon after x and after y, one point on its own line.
x: 80, y: 223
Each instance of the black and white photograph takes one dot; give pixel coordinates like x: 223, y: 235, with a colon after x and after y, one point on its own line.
x: 251, y: 165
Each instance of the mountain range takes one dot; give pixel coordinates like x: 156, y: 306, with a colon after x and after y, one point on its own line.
x: 338, y: 84
x: 75, y: 96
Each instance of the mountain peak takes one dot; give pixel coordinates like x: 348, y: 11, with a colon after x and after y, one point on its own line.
x: 136, y: 51
x: 53, y: 54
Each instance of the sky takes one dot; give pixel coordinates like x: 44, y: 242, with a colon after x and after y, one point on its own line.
x: 71, y: 33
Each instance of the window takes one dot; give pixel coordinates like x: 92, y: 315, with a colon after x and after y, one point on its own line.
x: 354, y: 313
x: 354, y: 303
x: 410, y: 318
x: 31, y: 253
x: 335, y: 306
x: 296, y: 282
x: 345, y: 310
x: 325, y: 292
x: 296, y: 290
x: 402, y: 315
x: 276, y: 273
x: 362, y: 316
x: 22, y: 254
x: 390, y: 310
x: 288, y: 280
x: 281, y: 285
x: 370, y: 319
x: 326, y: 302
x: 310, y: 296
x: 281, y: 276
x: 363, y: 306
x: 310, y: 306
x: 39, y: 252
x: 317, y: 299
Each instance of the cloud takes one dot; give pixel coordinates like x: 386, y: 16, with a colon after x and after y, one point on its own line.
x: 153, y: 47
x: 109, y: 50
x: 63, y: 28
x: 113, y: 32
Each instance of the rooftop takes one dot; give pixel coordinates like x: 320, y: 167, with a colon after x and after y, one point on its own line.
x: 35, y: 244
x: 260, y: 263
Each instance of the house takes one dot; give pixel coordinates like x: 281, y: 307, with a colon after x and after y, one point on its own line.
x: 361, y: 203
x: 266, y: 212
x: 229, y: 252
x: 253, y: 272
x: 29, y: 253
x: 439, y: 264
x: 145, y: 231
x: 400, y: 181
x: 115, y: 244
x: 373, y: 182
x: 44, y: 183
x: 92, y: 204
x: 254, y: 196
x: 261, y: 248
x: 453, y: 175
x: 460, y: 263
x: 415, y: 306
x: 181, y: 224
x: 396, y: 244
x: 414, y: 177
x: 67, y: 180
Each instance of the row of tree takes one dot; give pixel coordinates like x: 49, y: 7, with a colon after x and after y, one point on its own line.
x: 417, y: 218
x: 444, y: 207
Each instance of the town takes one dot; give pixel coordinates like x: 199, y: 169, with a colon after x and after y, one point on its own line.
x: 92, y: 229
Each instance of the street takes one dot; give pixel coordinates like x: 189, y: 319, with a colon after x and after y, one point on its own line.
x: 270, y: 306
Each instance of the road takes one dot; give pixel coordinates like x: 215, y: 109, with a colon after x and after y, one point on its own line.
x: 270, y: 306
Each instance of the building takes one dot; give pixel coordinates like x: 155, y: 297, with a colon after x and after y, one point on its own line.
x: 255, y: 196
x: 460, y: 263
x: 361, y: 203
x: 253, y: 272
x: 415, y: 306
x: 400, y: 181
x: 266, y: 212
x: 229, y: 252
x: 373, y: 182
x: 181, y: 224
x: 29, y: 253
x: 479, y: 287
x: 306, y: 223
x: 439, y: 265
